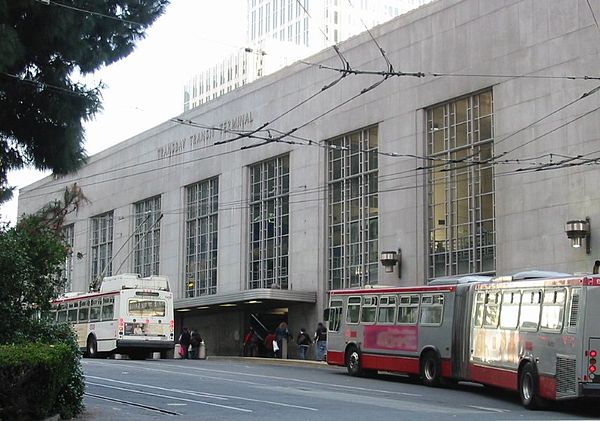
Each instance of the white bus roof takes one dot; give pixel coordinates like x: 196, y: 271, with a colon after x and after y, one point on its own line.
x: 532, y: 274
x: 134, y: 281
x: 453, y: 280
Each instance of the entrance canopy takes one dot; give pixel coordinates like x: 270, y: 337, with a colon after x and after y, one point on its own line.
x: 266, y: 297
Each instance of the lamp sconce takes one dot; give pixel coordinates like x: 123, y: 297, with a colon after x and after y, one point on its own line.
x: 389, y: 259
x: 578, y: 230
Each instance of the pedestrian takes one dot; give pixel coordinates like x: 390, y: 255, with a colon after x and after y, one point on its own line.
x: 195, y: 342
x: 269, y: 339
x: 304, y: 342
x: 184, y: 342
x: 281, y: 334
x: 252, y: 343
x: 321, y: 341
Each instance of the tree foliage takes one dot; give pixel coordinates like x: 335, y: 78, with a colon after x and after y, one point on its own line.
x: 32, y: 257
x: 43, y: 46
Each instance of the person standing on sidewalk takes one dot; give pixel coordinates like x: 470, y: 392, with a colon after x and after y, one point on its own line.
x: 321, y: 340
x: 281, y: 334
x: 304, y: 342
x: 184, y: 342
x: 195, y: 342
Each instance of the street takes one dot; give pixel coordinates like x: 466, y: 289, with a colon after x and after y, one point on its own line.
x: 236, y: 389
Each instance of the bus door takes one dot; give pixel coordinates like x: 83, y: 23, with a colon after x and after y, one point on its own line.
x: 435, y: 322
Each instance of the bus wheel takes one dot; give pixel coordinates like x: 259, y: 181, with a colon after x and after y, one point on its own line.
x: 92, y: 348
x: 431, y: 369
x: 529, y: 387
x: 353, y: 362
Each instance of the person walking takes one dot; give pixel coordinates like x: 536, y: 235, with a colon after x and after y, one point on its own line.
x: 184, y: 342
x: 304, y: 342
x: 321, y: 340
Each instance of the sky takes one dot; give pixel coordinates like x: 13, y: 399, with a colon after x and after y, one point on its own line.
x: 146, y: 88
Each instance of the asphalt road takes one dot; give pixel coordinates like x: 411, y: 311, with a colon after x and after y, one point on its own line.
x: 241, y: 389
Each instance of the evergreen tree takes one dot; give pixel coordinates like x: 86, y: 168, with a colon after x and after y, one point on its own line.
x: 43, y: 45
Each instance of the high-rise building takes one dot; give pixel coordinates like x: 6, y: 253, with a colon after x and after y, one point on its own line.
x: 280, y: 32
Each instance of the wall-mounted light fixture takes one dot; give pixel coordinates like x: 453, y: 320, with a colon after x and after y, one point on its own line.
x: 578, y: 231
x: 389, y: 259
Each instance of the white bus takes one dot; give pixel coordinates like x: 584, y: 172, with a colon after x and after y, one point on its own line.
x: 540, y: 337
x: 129, y: 315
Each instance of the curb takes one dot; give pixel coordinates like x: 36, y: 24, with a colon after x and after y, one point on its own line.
x: 271, y: 361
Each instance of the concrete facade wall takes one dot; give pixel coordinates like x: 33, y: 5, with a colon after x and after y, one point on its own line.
x: 473, y: 45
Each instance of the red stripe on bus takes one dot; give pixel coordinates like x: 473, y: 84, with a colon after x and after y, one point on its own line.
x: 446, y: 368
x: 509, y: 379
x: 407, y: 365
x: 335, y: 358
x: 85, y: 297
x: 505, y: 379
x: 547, y: 387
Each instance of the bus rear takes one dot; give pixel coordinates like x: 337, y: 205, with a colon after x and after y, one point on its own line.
x: 146, y: 322
x: 589, y: 310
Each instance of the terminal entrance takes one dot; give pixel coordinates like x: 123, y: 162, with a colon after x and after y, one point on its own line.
x: 263, y: 325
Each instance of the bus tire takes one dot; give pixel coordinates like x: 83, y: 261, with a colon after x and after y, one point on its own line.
x: 353, y: 362
x: 91, y: 350
x: 431, y: 369
x: 529, y: 387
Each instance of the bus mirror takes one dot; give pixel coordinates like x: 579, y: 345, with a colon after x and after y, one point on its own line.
x: 326, y: 315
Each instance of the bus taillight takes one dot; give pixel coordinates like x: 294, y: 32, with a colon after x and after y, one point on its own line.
x: 592, y: 367
x: 121, y: 326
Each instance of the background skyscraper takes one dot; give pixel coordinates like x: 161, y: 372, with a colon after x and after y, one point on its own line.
x: 280, y: 32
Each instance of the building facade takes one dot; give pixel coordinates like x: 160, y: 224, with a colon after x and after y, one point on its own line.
x: 260, y: 202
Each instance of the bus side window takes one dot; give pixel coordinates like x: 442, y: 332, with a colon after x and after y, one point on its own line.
x: 478, y: 309
x: 108, y: 308
x: 369, y: 310
x: 72, y: 312
x: 573, y: 310
x: 387, y: 310
x: 408, y: 309
x: 83, y: 314
x: 353, y: 310
x: 84, y: 311
x: 95, y: 310
x: 492, y: 305
x: 335, y: 315
x: 530, y: 310
x: 432, y: 307
x: 553, y: 310
x: 509, y: 309
x: 52, y: 313
x: 62, y: 315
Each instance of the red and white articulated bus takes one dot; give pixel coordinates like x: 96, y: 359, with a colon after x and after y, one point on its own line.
x: 537, y: 333
x: 129, y: 315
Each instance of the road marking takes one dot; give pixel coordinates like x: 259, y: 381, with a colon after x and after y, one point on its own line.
x: 148, y: 386
x: 146, y: 366
x: 137, y: 405
x: 204, y: 394
x: 233, y: 408
x: 485, y: 408
x: 177, y: 404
